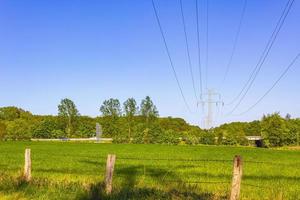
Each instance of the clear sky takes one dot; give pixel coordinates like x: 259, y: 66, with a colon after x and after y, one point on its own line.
x: 89, y: 51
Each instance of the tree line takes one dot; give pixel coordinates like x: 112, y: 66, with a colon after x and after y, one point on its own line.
x: 133, y: 123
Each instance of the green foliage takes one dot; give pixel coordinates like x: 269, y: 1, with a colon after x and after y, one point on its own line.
x: 67, y: 108
x: 148, y: 109
x: 192, y: 136
x: 130, y: 107
x: 169, y: 137
x: 274, y: 130
x: 49, y: 127
x: 147, y: 134
x: 233, y: 133
x: 68, y: 111
x: 176, y: 124
x: 253, y: 128
x: 2, y: 130
x: 130, y: 110
x: 110, y: 125
x: 19, y: 129
x: 144, y: 126
x: 11, y: 113
x: 86, y: 127
x: 111, y: 107
x: 207, y: 137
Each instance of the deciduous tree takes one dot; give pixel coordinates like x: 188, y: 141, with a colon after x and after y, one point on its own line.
x: 148, y: 109
x: 111, y: 107
x: 68, y: 111
x: 130, y: 110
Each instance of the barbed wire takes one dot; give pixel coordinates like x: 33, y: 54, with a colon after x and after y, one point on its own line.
x: 256, y: 186
x: 198, y: 182
x: 177, y: 181
x: 176, y: 159
x: 272, y: 163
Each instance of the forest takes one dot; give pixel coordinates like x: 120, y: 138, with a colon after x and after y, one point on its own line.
x: 133, y: 123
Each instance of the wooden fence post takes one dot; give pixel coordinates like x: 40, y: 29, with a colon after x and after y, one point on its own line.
x: 27, y: 165
x: 110, y: 163
x: 237, y: 178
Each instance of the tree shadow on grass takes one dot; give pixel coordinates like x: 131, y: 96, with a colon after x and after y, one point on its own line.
x: 8, y: 182
x: 127, y: 188
x: 92, y: 162
x: 96, y: 192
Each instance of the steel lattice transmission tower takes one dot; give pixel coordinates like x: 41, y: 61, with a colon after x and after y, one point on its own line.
x: 209, y: 101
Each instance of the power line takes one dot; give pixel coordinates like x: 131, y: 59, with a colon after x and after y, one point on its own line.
x: 235, y: 43
x: 264, y: 56
x: 261, y: 57
x: 169, y: 56
x: 188, y: 50
x: 272, y: 87
x: 199, y: 53
x: 206, y: 62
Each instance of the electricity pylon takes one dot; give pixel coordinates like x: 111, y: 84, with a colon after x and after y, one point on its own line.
x: 210, y: 99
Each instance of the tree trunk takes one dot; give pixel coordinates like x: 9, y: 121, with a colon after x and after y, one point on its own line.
x: 129, y: 133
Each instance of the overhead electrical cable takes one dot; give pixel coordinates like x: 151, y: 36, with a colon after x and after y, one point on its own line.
x: 188, y: 50
x: 272, y: 87
x: 264, y: 55
x: 206, y: 62
x: 234, y: 43
x: 259, y: 64
x: 199, y: 52
x: 261, y: 57
x: 169, y: 56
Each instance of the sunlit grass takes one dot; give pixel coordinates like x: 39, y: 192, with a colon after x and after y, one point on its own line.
x: 76, y: 171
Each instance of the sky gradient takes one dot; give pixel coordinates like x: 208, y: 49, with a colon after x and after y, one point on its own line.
x: 90, y: 51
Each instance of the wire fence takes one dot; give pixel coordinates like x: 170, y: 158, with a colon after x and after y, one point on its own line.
x: 220, y: 173
x: 275, y: 164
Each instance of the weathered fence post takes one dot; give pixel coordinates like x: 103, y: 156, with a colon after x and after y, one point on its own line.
x: 237, y: 178
x: 110, y: 163
x: 27, y: 165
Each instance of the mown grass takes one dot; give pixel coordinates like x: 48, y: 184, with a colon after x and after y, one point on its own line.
x: 76, y: 171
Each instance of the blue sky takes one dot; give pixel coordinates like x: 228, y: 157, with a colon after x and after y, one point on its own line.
x: 89, y: 51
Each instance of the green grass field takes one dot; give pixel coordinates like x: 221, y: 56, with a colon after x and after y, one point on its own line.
x: 76, y: 171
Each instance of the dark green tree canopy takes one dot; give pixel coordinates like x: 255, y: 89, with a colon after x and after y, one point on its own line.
x: 144, y: 126
x: 68, y: 110
x: 130, y: 107
x: 12, y: 113
x: 274, y: 129
x: 2, y: 130
x: 111, y: 108
x: 148, y: 109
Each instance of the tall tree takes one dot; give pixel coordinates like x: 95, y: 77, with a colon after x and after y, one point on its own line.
x: 130, y: 110
x: 148, y: 109
x: 111, y: 108
x: 68, y: 111
x: 274, y: 130
x: 111, y: 111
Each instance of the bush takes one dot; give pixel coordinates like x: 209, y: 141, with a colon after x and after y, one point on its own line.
x: 2, y: 130
x: 19, y: 129
x: 207, y: 138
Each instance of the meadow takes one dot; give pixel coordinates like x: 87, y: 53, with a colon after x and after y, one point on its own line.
x: 65, y: 170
